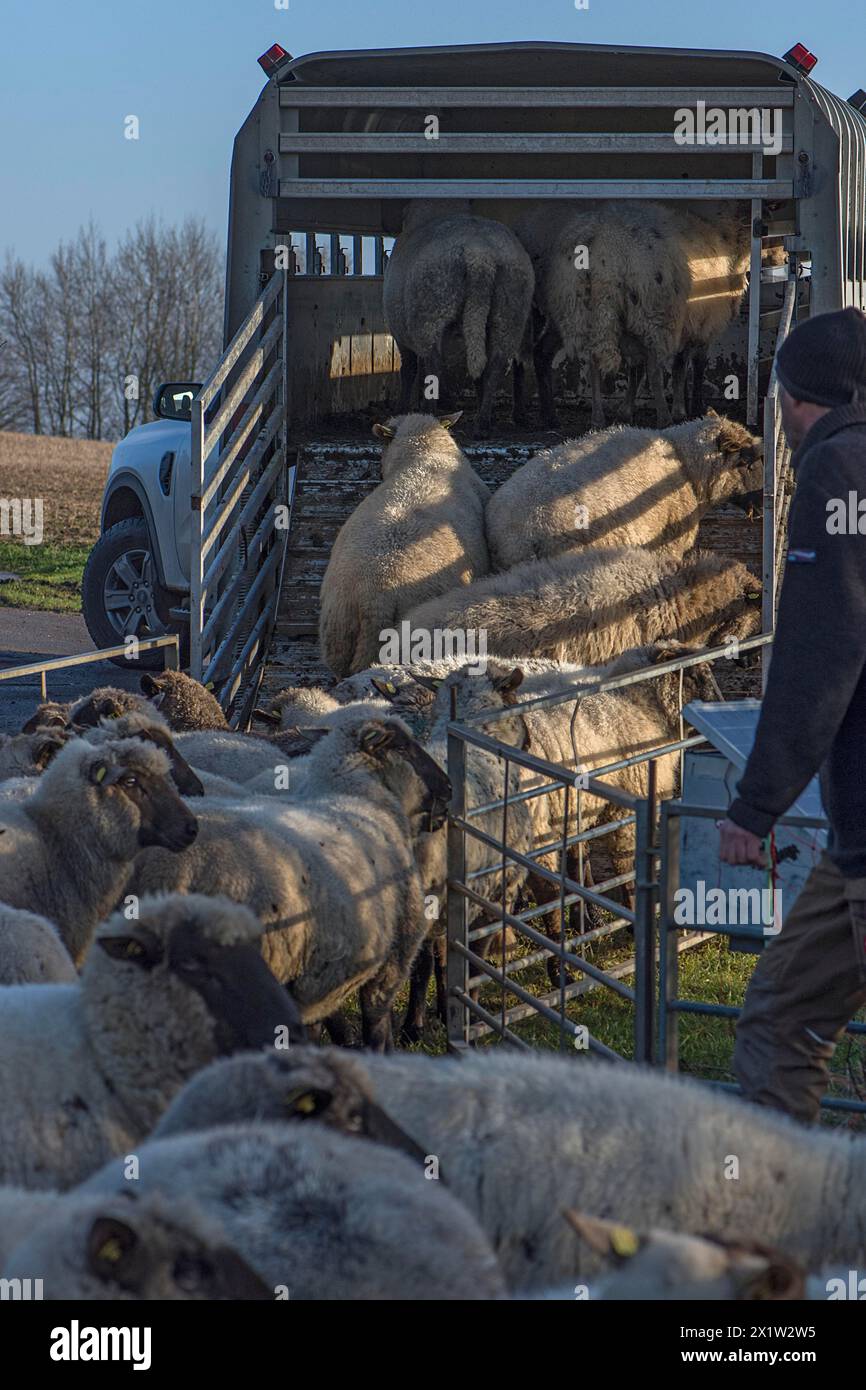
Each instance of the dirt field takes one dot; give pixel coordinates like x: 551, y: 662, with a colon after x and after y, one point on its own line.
x: 67, y: 474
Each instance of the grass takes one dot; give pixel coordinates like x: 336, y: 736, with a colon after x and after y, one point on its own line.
x: 67, y: 476
x: 50, y: 576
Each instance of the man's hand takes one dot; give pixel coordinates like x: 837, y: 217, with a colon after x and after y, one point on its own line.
x: 738, y: 846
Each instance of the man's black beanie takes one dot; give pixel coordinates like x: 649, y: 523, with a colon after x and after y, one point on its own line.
x: 824, y: 359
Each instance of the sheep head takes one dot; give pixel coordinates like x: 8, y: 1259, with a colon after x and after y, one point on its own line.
x: 128, y: 1246
x: 49, y: 715
x: 406, y: 769
x: 185, y: 702
x: 105, y: 703
x: 150, y: 726
x: 737, y: 458
x: 418, y: 433
x: 188, y: 974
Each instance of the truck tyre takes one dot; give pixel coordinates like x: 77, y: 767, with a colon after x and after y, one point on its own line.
x: 121, y: 594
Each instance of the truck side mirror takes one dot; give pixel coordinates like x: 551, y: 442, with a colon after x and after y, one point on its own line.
x: 173, y: 399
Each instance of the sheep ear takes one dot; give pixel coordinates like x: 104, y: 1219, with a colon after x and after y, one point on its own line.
x: 113, y: 1250
x: 150, y: 686
x: 267, y: 716
x: 428, y: 682
x: 376, y: 737
x: 383, y: 431
x: 449, y: 421
x: 387, y: 689
x: 98, y: 771
x: 507, y: 681
x: 307, y: 1102
x: 45, y: 750
x: 713, y: 414
x: 137, y: 946
x: 607, y: 1237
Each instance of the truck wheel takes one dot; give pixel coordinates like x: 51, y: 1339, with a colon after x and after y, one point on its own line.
x: 121, y: 594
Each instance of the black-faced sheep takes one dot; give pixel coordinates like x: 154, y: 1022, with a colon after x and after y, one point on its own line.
x: 589, y: 606
x: 89, y: 1068
x: 124, y: 1247
x: 66, y: 851
x: 419, y: 533
x: 322, y: 1216
x: 330, y: 868
x: 456, y: 277
x: 621, y: 1141
x: 622, y: 487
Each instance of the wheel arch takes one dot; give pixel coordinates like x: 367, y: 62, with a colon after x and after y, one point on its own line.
x: 126, y: 500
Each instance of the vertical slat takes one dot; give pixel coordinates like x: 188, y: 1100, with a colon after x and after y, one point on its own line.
x: 357, y: 255
x: 669, y: 959
x: 311, y: 254
x: 754, y: 301
x: 457, y: 969
x: 644, y: 926
x: 768, y: 541
x: 379, y: 259
x: 196, y: 570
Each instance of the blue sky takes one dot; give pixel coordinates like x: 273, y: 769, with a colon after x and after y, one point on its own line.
x: 71, y: 72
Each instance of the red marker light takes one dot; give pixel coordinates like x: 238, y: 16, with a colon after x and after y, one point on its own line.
x: 273, y: 58
x: 800, y: 58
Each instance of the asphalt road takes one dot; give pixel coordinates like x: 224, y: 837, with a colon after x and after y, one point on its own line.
x: 27, y: 637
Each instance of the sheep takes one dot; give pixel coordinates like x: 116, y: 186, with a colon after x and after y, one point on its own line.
x: 319, y: 1215
x: 124, y: 1247
x: 589, y: 606
x: 185, y: 702
x: 27, y: 755
x: 31, y: 951
x: 622, y: 1141
x: 50, y: 714
x: 150, y: 726
x: 420, y: 532
x: 89, y: 1067
x: 622, y: 487
x: 330, y: 869
x: 106, y: 702
x: 454, y: 276
x: 66, y: 851
x: 297, y: 707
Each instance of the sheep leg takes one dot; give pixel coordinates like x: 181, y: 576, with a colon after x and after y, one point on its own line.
x: 678, y: 384
x: 409, y: 367
x: 542, y: 357
x: 491, y: 379
x: 597, y: 419
x: 634, y: 376
x: 656, y: 379
x: 699, y: 367
x: 519, y: 413
x: 338, y: 1030
x: 440, y: 963
x: 416, y: 1012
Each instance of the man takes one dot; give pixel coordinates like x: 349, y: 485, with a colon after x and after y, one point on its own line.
x: 811, y: 979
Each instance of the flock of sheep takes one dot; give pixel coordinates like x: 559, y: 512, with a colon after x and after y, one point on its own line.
x: 185, y: 909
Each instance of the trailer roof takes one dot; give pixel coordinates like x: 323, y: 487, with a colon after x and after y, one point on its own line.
x: 537, y: 63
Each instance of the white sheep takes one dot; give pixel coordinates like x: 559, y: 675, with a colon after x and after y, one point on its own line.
x: 322, y: 1216
x: 66, y: 850
x: 31, y: 951
x: 122, y: 1247
x: 420, y: 532
x: 28, y: 755
x: 617, y: 1140
x: 635, y: 487
x: 452, y: 276
x: 330, y: 868
x: 89, y: 1068
x: 589, y: 606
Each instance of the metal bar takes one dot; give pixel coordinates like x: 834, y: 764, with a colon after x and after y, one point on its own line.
x: 504, y: 142
x: 58, y: 663
x: 457, y: 967
x: 299, y: 94
x: 644, y: 930
x: 239, y: 437
x: 754, y: 352
x: 242, y: 612
x: 196, y: 553
x: 255, y: 546
x: 777, y: 189
x: 253, y: 365
x: 234, y: 496
x: 768, y: 538
x: 491, y: 1023
x: 241, y: 338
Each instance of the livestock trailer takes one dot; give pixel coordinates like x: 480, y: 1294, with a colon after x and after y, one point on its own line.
x: 321, y: 170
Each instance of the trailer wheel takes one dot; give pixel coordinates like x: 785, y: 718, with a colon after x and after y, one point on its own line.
x: 121, y: 594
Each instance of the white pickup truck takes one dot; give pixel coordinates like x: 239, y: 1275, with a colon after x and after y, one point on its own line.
x: 137, y: 576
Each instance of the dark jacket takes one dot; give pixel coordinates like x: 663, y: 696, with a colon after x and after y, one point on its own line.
x: 814, y: 709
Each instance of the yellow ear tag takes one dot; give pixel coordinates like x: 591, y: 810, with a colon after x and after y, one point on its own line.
x: 209, y: 685
x: 100, y: 774
x: 133, y: 948
x: 111, y: 1250
x: 391, y: 688
x: 306, y: 1104
x: 624, y: 1242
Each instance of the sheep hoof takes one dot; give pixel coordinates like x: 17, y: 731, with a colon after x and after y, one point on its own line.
x: 410, y: 1034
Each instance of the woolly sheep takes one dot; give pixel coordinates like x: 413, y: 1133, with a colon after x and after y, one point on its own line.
x: 185, y: 702
x: 330, y: 868
x: 379, y: 1228
x: 27, y: 755
x: 125, y: 1247
x: 622, y: 487
x: 454, y: 276
x: 641, y: 1147
x: 67, y: 849
x: 299, y: 707
x: 31, y: 951
x: 420, y: 532
x: 50, y: 714
x: 89, y: 1067
x: 150, y: 726
x: 106, y: 702
x: 589, y: 606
